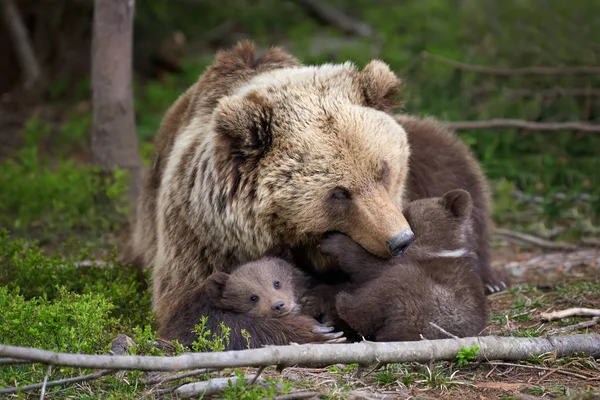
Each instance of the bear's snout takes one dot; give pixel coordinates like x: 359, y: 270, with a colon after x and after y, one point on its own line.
x: 399, y: 243
x: 278, y: 306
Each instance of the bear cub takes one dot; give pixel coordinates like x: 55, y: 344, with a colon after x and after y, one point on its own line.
x: 433, y: 285
x: 268, y: 287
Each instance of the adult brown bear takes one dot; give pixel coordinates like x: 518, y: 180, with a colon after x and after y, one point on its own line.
x: 262, y: 152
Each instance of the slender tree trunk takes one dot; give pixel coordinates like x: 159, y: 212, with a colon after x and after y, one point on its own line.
x: 22, y: 43
x: 114, y: 138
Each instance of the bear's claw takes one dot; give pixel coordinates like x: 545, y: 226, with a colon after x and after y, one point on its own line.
x: 322, y: 329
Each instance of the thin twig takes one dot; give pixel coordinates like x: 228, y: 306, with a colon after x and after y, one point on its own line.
x: 491, y: 347
x: 59, y: 382
x: 575, y: 327
x: 522, y: 124
x: 524, y: 238
x: 120, y: 346
x: 571, y: 312
x: 332, y: 16
x: 513, y: 71
x: 45, y: 382
x: 175, y: 377
x: 258, y: 372
x: 13, y: 361
x: 297, y: 396
x: 445, y: 332
x: 545, y: 369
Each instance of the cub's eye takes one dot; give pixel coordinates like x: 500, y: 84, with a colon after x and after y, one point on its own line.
x: 254, y: 299
x: 340, y: 193
x: 276, y: 285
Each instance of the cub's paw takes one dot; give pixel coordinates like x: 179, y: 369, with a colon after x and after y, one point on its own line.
x: 328, y: 334
x: 496, y: 282
x: 311, y: 331
x: 339, y: 245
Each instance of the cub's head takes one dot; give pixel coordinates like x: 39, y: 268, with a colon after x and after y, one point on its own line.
x: 441, y: 224
x: 263, y: 288
x: 313, y: 149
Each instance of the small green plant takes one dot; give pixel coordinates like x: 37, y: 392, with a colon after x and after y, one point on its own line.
x: 209, y: 341
x: 466, y: 355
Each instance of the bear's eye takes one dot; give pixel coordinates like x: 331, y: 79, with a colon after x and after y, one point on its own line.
x: 254, y: 299
x: 276, y: 285
x: 340, y: 193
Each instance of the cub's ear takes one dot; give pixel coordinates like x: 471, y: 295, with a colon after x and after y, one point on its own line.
x: 243, y: 125
x: 380, y: 86
x: 280, y: 251
x: 458, y: 202
x: 215, y: 284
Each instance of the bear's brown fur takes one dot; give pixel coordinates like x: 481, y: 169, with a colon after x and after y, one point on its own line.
x: 263, y: 152
x: 434, y: 282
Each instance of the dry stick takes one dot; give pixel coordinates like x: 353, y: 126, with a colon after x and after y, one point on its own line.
x: 512, y: 71
x: 22, y: 42
x: 571, y: 312
x: 575, y: 327
x: 175, y: 377
x: 490, y: 348
x: 521, y: 238
x: 518, y: 123
x: 213, y: 386
x: 120, y: 346
x: 445, y: 332
x: 13, y: 361
x: 297, y: 396
x: 332, y: 16
x: 560, y: 371
x: 45, y: 382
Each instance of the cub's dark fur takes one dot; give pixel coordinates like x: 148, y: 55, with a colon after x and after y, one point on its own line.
x: 434, y: 282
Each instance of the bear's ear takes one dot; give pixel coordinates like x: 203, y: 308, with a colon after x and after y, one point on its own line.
x: 243, y: 125
x: 459, y: 203
x: 215, y: 284
x: 380, y: 86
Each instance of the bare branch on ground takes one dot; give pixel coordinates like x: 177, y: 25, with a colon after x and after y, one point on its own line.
x: 120, y: 346
x: 522, y: 124
x: 555, y: 260
x: 499, y: 71
x: 571, y: 312
x: 524, y: 238
x: 575, y: 327
x: 214, y: 386
x: 564, y: 372
x: 491, y: 348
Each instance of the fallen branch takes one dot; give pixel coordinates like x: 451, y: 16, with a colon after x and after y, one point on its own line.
x: 174, y: 377
x: 216, y: 385
x: 13, y: 361
x: 523, y: 238
x: 560, y: 371
x: 120, y: 346
x: 22, y: 43
x: 512, y: 71
x: 332, y: 16
x: 574, y: 327
x: 522, y: 124
x: 297, y: 396
x: 558, y: 260
x: 491, y: 348
x: 571, y: 312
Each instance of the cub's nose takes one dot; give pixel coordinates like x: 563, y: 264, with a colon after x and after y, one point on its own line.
x: 399, y: 243
x: 278, y: 306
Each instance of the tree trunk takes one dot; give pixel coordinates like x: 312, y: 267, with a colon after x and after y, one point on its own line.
x: 114, y: 138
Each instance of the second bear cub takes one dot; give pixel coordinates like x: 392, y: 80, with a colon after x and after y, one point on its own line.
x: 433, y: 285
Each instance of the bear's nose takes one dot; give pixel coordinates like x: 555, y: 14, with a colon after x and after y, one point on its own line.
x: 399, y: 243
x: 278, y: 306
